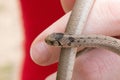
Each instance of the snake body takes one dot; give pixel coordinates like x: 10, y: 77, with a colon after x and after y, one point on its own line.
x: 100, y: 41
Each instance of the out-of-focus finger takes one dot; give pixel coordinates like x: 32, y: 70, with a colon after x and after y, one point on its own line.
x: 52, y: 76
x: 67, y: 5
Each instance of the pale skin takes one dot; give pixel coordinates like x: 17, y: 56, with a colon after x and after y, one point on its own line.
x: 97, y: 64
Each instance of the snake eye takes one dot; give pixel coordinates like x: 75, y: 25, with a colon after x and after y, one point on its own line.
x: 58, y: 36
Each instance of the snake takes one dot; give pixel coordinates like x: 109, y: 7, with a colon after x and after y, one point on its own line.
x: 84, y: 40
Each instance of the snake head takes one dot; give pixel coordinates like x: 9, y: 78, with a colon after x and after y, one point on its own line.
x: 53, y: 39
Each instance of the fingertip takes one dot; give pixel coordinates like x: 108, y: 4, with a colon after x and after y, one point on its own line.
x: 43, y: 54
x: 67, y: 5
x: 39, y: 53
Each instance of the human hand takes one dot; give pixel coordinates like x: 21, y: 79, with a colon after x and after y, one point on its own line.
x: 97, y: 64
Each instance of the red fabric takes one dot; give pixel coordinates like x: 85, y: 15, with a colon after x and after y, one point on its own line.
x: 37, y: 15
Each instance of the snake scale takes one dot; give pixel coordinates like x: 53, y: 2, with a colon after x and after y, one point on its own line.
x: 93, y: 40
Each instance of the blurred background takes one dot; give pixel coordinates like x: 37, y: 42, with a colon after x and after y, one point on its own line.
x: 15, y: 39
x: 11, y: 40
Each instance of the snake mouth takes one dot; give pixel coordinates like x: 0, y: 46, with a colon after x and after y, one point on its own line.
x: 49, y: 42
x: 53, y: 43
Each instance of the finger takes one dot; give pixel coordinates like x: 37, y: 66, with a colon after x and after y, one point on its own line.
x: 51, y: 77
x: 67, y: 5
x: 102, y: 20
x: 97, y: 64
x: 43, y: 54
